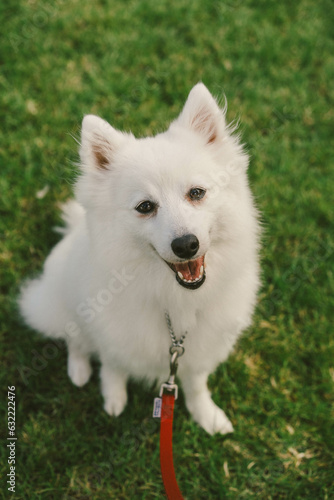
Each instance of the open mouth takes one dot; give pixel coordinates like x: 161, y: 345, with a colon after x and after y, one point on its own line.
x: 190, y: 274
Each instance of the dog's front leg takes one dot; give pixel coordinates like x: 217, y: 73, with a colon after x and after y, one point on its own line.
x: 78, y: 365
x: 113, y: 386
x: 199, y: 403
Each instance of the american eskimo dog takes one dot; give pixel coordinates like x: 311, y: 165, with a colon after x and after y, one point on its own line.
x: 164, y: 223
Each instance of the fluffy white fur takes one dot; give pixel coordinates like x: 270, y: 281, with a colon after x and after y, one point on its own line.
x: 105, y: 286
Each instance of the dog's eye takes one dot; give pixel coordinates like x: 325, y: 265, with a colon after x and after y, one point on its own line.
x: 196, y: 194
x: 146, y: 207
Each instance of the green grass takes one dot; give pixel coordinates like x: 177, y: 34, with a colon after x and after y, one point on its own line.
x: 133, y: 63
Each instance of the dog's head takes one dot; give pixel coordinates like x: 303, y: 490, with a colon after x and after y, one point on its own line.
x: 173, y: 194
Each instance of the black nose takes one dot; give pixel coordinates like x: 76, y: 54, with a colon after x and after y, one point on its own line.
x: 186, y: 246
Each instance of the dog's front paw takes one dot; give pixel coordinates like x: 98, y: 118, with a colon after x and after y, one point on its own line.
x: 219, y: 423
x: 79, y: 370
x: 115, y: 404
x: 210, y: 417
x: 216, y: 422
x: 113, y: 385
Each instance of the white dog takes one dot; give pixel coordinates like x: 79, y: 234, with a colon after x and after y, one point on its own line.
x: 161, y: 223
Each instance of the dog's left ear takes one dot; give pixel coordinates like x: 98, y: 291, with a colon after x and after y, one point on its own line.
x: 99, y: 142
x: 202, y: 114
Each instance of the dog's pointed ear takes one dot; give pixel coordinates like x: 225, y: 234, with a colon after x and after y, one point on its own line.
x: 202, y: 114
x: 99, y: 142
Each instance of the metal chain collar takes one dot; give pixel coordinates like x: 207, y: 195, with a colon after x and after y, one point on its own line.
x: 177, y: 345
x: 176, y: 350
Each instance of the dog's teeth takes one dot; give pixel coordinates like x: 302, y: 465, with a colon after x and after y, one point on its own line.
x: 200, y: 276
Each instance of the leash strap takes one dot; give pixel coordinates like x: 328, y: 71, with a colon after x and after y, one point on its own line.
x: 166, y: 448
x: 164, y: 408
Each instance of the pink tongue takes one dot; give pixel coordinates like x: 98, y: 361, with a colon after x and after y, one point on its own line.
x: 191, y: 269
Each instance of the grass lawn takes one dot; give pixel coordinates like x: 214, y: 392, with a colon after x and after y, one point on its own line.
x: 133, y: 62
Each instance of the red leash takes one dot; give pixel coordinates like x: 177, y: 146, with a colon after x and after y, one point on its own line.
x: 164, y: 408
x: 166, y: 448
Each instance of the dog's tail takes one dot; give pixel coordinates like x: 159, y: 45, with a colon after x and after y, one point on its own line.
x: 72, y: 214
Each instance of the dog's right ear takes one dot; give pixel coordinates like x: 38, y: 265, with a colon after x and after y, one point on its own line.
x: 99, y: 142
x: 202, y: 115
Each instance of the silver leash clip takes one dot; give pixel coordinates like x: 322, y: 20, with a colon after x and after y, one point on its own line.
x: 176, y: 350
x: 170, y: 384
